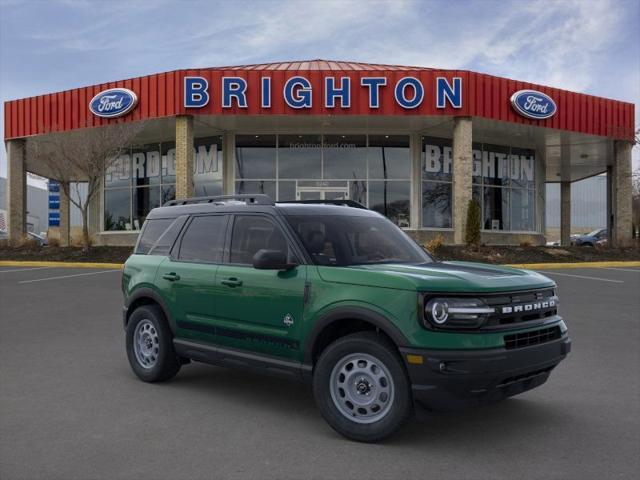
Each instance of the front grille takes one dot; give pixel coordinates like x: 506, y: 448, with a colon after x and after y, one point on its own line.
x: 535, y: 337
x: 502, y: 319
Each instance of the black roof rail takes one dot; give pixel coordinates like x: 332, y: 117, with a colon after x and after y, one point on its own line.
x: 257, y: 199
x: 344, y: 203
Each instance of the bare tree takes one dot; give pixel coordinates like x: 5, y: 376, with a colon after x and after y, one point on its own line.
x: 82, y: 156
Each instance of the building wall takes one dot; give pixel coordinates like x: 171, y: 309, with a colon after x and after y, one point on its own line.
x: 37, y: 206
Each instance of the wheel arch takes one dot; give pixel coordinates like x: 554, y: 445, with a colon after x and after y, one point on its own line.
x: 334, y: 324
x: 147, y: 296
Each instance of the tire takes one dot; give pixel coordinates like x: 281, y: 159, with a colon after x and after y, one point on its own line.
x: 361, y: 387
x: 152, y: 358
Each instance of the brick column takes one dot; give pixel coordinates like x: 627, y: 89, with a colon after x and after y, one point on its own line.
x: 416, y: 181
x: 16, y: 191
x: 462, y: 175
x: 622, y: 190
x: 565, y: 213
x: 65, y: 217
x: 184, y: 156
x: 228, y: 163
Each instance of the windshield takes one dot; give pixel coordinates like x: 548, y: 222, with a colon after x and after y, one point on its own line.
x: 594, y: 233
x: 341, y: 240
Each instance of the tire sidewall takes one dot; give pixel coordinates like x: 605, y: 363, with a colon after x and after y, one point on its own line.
x: 381, y: 349
x: 167, y: 363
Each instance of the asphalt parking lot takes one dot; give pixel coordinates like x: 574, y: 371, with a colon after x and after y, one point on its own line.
x: 71, y: 408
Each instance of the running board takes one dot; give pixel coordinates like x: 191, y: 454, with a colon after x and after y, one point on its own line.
x: 230, y: 358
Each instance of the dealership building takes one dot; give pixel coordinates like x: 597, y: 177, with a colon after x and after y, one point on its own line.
x: 415, y: 144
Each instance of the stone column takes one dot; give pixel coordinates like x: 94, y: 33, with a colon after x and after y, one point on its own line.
x: 621, y: 184
x: 184, y: 156
x: 462, y: 175
x: 610, y: 202
x: 16, y: 191
x: 228, y: 163
x: 416, y: 180
x: 565, y: 213
x: 65, y: 217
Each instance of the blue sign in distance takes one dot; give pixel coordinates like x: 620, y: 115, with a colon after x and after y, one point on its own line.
x: 54, y: 219
x: 533, y: 104
x: 113, y: 103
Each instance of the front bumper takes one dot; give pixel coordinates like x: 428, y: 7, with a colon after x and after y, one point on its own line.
x: 453, y: 379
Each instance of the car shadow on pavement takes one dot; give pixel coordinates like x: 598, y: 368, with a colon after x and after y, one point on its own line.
x: 502, y: 422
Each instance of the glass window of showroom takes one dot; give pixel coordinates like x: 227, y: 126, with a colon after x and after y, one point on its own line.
x: 503, y: 184
x: 144, y: 177
x: 374, y: 170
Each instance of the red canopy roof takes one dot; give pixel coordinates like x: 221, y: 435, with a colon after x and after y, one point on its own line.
x: 161, y: 95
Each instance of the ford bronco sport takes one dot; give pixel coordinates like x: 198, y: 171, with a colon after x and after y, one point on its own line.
x: 336, y: 295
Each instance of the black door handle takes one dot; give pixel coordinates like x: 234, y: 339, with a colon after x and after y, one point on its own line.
x: 232, y: 282
x: 172, y: 277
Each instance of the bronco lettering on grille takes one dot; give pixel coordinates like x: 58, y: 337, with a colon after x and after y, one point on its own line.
x: 529, y: 307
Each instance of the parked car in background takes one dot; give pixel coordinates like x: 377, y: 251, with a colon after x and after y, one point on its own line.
x: 590, y: 239
x: 41, y: 239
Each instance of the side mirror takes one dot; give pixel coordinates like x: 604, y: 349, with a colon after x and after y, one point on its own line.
x: 271, y: 260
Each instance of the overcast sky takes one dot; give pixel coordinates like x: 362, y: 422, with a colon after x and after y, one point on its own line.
x: 586, y: 46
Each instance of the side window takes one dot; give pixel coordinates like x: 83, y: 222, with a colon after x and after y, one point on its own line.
x: 151, y: 232
x: 319, y: 242
x: 204, y: 239
x: 252, y: 233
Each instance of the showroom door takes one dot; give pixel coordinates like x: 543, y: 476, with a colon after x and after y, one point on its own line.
x: 332, y: 192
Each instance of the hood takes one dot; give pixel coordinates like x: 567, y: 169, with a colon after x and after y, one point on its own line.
x: 456, y: 277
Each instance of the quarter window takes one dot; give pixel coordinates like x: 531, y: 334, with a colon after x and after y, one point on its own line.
x: 204, y: 239
x: 151, y: 232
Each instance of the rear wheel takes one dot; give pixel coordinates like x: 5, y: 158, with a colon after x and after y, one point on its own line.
x: 361, y: 387
x: 149, y: 344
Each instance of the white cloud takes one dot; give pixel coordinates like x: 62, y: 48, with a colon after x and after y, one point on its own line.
x: 583, y: 45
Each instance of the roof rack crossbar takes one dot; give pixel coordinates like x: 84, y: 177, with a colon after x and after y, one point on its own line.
x: 344, y: 203
x: 249, y: 199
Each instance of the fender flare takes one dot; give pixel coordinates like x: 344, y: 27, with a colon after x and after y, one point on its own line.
x: 146, y: 292
x: 356, y: 313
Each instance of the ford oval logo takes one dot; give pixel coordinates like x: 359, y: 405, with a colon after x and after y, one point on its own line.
x: 533, y: 104
x: 114, y: 102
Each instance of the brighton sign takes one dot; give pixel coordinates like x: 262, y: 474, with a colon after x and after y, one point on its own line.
x: 533, y: 104
x: 408, y: 92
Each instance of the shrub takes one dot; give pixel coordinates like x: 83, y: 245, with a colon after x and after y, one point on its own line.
x: 435, y: 244
x: 525, y: 243
x: 472, y: 233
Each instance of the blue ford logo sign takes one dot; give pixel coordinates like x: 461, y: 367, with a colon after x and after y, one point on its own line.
x: 533, y: 104
x: 114, y: 102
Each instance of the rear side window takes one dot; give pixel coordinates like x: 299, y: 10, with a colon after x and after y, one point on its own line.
x: 204, y: 239
x: 151, y: 232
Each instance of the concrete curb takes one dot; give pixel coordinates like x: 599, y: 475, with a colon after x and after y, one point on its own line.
x: 29, y: 263
x: 531, y: 266
x: 548, y: 266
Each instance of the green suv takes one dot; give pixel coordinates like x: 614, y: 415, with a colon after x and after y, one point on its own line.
x: 336, y: 295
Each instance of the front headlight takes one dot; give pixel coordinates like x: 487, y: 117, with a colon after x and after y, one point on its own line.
x: 456, y: 312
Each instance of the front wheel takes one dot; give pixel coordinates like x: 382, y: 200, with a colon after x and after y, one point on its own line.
x: 149, y: 344
x: 361, y: 387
